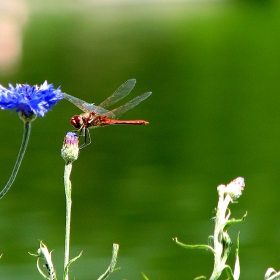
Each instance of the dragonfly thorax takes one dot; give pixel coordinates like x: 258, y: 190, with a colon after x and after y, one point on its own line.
x: 77, y: 121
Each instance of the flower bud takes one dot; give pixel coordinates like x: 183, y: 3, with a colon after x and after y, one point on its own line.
x: 70, y: 148
x: 234, y: 188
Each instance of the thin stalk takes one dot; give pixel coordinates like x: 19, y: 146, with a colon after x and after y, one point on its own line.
x: 26, y: 134
x: 113, y: 263
x: 67, y: 185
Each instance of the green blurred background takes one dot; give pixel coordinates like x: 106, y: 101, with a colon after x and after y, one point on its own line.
x: 213, y: 68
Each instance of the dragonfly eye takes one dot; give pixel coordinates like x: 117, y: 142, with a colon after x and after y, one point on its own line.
x: 76, y: 121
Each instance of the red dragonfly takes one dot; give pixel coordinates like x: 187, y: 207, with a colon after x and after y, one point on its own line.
x: 96, y: 116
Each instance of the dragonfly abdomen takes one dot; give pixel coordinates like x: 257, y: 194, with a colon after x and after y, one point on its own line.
x: 106, y: 121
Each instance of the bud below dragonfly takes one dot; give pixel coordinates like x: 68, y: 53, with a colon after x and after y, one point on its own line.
x: 70, y: 149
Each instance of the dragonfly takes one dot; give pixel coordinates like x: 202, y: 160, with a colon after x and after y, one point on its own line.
x: 98, y: 116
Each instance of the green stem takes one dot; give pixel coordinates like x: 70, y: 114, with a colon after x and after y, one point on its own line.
x: 26, y: 134
x: 67, y: 185
x: 113, y: 263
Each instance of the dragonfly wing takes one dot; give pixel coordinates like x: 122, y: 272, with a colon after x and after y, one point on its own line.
x: 119, y: 94
x: 83, y: 105
x: 127, y: 106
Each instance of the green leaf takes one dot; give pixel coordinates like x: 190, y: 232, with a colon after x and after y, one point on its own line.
x: 69, y: 263
x: 200, y: 246
x: 236, y: 272
x: 40, y: 270
x: 234, y: 221
x: 144, y: 276
x: 229, y: 272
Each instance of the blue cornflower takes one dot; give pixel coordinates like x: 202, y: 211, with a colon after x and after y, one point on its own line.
x: 29, y: 100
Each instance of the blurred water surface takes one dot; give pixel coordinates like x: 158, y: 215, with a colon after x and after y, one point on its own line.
x: 214, y: 115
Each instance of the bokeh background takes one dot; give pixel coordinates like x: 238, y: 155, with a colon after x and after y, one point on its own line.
x: 213, y: 68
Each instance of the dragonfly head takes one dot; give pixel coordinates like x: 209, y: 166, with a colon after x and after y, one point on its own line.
x: 77, y: 121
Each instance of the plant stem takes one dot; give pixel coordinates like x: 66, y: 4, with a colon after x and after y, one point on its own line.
x: 67, y: 185
x: 219, y: 260
x: 26, y: 134
x: 113, y: 263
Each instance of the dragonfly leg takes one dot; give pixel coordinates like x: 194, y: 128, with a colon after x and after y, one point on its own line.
x: 85, y: 133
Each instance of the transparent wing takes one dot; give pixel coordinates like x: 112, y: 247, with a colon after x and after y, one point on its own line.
x: 115, y: 113
x: 119, y: 94
x: 83, y: 105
